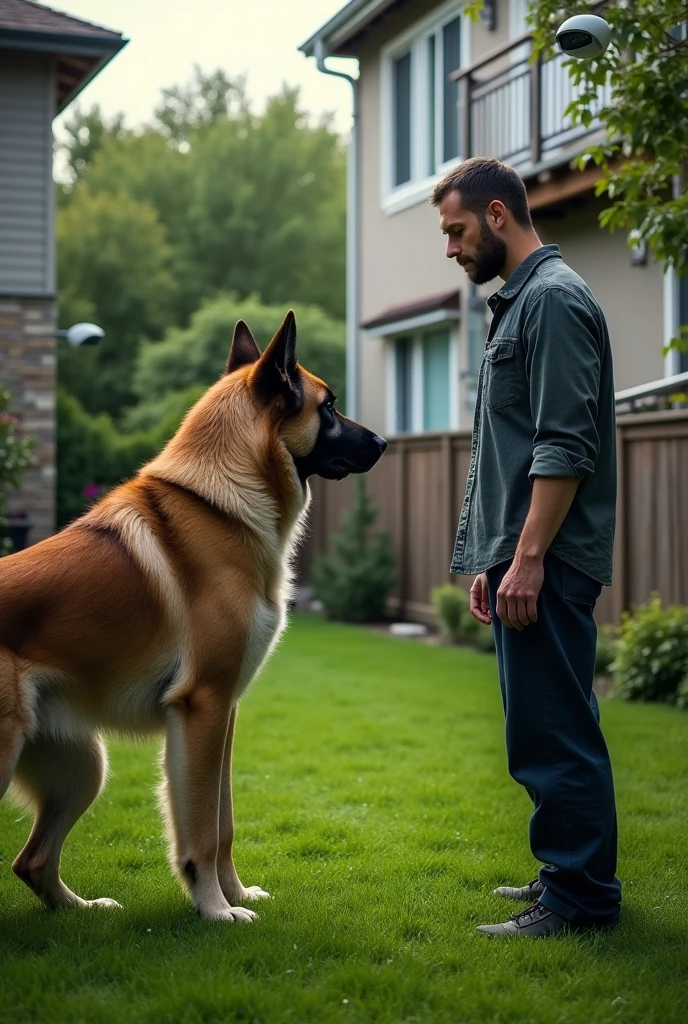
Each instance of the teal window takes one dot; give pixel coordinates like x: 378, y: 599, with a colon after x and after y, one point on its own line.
x: 436, y: 378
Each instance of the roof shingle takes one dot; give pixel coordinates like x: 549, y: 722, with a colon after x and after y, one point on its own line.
x: 26, y: 16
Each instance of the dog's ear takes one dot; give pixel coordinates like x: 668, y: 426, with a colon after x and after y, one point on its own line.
x: 243, y: 350
x: 276, y: 374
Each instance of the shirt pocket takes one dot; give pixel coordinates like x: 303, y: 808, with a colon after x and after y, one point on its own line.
x: 500, y: 373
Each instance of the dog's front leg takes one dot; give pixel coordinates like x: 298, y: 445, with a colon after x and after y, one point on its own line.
x: 196, y: 736
x: 230, y: 884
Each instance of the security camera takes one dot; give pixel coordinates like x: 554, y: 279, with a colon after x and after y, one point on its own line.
x: 584, y: 35
x: 83, y: 334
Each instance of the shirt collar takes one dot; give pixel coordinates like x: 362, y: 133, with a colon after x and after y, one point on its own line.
x: 513, y: 285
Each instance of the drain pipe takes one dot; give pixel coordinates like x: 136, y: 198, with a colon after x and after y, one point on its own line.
x: 353, y: 227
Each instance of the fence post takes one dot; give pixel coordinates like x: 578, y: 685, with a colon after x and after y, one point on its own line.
x: 401, y: 502
x: 448, y: 524
x: 620, y: 588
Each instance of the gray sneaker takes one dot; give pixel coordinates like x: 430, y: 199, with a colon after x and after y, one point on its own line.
x: 536, y: 922
x: 528, y: 893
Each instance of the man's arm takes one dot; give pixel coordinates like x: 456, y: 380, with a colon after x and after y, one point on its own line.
x: 562, y: 365
x: 518, y: 594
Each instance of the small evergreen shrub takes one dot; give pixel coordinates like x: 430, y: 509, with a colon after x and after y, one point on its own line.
x: 652, y: 654
x: 353, y: 586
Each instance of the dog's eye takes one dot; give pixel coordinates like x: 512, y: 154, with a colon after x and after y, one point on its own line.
x: 329, y: 405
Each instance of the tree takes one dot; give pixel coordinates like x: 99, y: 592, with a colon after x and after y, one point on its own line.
x: 354, y: 585
x: 644, y: 162
x: 86, y: 132
x: 113, y: 265
x: 170, y: 373
x: 200, y: 103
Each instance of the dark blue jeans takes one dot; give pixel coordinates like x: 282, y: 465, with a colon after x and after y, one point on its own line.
x: 555, y: 747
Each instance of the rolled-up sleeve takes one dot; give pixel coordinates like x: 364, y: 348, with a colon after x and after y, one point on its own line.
x: 563, y: 357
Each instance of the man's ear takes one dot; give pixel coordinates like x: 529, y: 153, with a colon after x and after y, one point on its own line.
x: 276, y: 373
x: 243, y: 350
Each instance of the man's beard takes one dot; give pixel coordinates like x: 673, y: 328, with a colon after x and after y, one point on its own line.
x: 490, y: 256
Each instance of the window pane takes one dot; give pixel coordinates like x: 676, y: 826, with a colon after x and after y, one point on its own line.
x: 451, y: 49
x: 402, y: 119
x: 436, y: 380
x: 404, y: 355
x: 432, y: 104
x: 683, y: 317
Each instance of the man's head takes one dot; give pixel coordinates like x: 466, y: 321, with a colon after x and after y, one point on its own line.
x: 484, y: 213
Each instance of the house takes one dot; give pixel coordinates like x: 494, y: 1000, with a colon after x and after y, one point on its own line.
x: 433, y: 88
x: 46, y: 59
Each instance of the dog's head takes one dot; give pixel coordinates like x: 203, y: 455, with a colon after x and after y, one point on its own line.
x: 319, y: 439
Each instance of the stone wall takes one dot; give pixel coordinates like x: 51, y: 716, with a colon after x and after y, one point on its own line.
x: 28, y: 370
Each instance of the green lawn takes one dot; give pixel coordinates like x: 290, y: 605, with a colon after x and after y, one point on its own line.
x: 373, y: 802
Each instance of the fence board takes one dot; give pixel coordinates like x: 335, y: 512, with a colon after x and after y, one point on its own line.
x: 419, y: 488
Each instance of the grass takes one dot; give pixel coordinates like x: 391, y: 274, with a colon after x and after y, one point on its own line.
x: 373, y: 802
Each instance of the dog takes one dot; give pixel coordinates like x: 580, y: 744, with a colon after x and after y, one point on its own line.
x: 157, y: 607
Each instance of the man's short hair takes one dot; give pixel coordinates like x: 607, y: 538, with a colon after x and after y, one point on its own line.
x: 479, y: 181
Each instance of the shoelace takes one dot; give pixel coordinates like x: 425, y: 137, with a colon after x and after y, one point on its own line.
x: 534, y: 911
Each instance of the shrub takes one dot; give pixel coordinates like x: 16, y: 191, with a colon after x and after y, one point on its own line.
x: 452, y: 606
x: 607, y: 644
x: 15, y: 458
x: 353, y: 587
x: 652, y: 655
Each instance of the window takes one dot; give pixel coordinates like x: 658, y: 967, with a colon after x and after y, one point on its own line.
x: 420, y: 105
x: 683, y: 319
x: 421, y: 382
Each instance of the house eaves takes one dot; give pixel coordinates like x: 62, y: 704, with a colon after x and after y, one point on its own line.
x: 346, y: 24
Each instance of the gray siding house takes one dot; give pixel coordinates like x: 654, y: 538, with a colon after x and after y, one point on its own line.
x: 46, y: 59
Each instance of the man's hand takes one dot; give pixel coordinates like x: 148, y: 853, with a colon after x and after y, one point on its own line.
x: 480, y: 604
x: 518, y: 593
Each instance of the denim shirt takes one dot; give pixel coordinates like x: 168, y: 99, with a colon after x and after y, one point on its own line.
x: 545, y: 407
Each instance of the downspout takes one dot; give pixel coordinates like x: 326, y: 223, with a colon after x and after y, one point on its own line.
x: 353, y: 227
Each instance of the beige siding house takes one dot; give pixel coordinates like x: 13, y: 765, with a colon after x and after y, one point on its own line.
x: 433, y: 88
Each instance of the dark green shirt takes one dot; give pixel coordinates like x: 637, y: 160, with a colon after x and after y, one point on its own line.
x: 545, y: 407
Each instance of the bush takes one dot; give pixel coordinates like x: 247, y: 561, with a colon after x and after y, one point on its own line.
x: 92, y: 456
x: 652, y: 655
x: 15, y: 458
x: 452, y: 606
x: 353, y: 587
x: 607, y: 644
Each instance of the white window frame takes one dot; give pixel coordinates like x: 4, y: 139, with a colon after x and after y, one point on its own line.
x: 420, y: 327
x: 394, y: 198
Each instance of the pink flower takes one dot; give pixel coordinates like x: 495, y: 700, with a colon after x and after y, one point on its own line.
x: 91, y: 490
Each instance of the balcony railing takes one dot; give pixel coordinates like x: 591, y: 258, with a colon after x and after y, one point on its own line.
x: 513, y: 108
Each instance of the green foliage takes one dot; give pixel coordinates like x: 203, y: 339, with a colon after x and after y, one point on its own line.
x: 209, y: 199
x: 652, y: 655
x: 452, y: 607
x: 197, y: 355
x: 113, y: 263
x: 354, y: 585
x: 92, y: 456
x: 646, y: 123
x: 15, y: 459
x: 86, y: 131
x: 605, y: 655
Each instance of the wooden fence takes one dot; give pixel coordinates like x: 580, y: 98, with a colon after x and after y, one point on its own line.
x: 419, y: 487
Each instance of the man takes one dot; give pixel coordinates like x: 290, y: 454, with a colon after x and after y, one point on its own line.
x: 537, y: 527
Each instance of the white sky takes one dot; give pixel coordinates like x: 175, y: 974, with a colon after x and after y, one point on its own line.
x: 167, y: 37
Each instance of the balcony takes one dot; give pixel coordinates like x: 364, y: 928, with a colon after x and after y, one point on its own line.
x: 512, y: 108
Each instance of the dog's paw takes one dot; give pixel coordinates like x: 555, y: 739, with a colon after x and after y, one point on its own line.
x: 254, y: 892
x: 104, y: 902
x: 231, y: 914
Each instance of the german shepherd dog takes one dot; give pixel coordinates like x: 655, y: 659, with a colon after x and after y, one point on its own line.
x: 157, y: 608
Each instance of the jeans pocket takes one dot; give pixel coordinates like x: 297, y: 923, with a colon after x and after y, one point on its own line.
x: 579, y: 587
x: 500, y: 374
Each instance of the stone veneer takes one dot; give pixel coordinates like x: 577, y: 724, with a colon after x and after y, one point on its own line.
x: 28, y: 370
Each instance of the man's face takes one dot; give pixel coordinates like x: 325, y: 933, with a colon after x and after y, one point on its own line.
x: 471, y: 241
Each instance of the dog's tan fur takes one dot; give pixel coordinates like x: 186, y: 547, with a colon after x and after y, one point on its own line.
x: 155, y: 610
